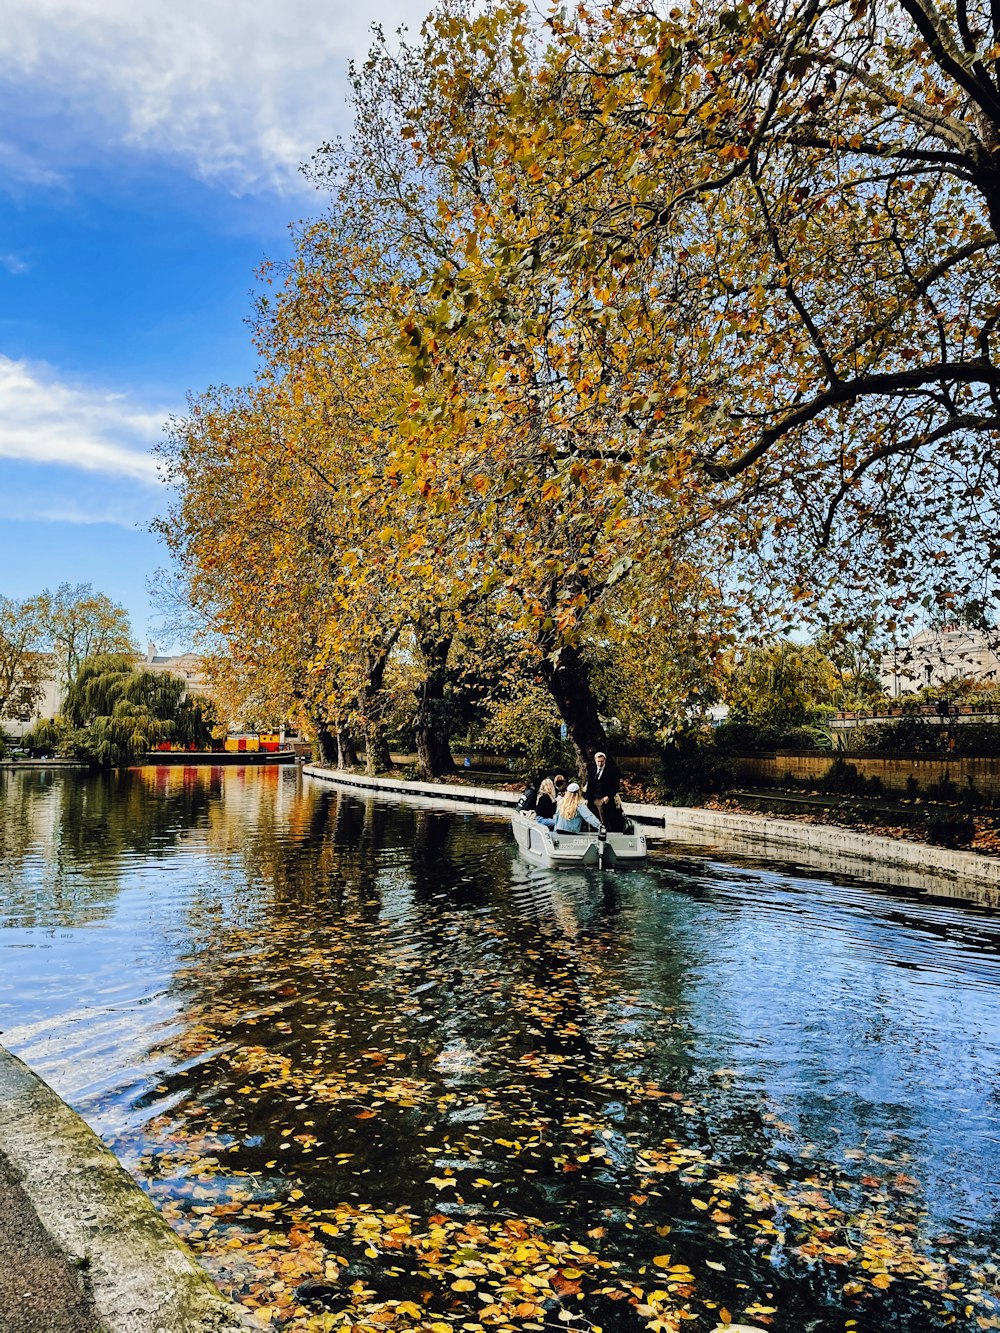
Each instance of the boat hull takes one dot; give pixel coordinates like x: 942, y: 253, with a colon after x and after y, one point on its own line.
x: 585, y: 850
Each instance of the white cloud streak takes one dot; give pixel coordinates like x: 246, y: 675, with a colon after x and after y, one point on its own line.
x: 43, y: 420
x: 244, y: 92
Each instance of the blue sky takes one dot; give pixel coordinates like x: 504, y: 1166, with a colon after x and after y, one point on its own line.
x: 149, y: 158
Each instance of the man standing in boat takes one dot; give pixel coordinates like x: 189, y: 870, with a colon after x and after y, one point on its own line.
x: 603, y: 781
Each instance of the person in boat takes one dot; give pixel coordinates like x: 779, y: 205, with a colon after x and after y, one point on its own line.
x: 529, y: 799
x: 545, y: 801
x: 571, y: 813
x: 603, y: 781
x: 559, y: 782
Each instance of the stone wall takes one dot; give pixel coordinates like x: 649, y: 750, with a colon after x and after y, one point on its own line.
x: 892, y: 769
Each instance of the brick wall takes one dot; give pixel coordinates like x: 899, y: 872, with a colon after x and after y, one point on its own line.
x: 892, y: 769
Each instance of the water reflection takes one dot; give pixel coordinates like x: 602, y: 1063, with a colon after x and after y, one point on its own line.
x: 299, y: 1015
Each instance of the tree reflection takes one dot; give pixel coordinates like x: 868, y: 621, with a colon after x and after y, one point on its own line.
x: 68, y: 840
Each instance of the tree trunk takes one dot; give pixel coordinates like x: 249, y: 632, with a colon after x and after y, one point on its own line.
x: 347, y: 754
x: 568, y: 681
x: 377, y: 756
x: 434, y: 758
x: 326, y: 743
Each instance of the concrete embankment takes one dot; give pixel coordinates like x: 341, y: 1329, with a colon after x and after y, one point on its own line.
x: 101, y: 1260
x: 935, y: 871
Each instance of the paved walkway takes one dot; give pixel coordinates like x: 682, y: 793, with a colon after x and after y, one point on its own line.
x: 41, y: 1291
x: 65, y: 1198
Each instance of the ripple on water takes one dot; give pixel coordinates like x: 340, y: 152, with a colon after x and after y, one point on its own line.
x: 291, y: 1010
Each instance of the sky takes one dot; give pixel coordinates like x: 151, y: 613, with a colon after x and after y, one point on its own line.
x: 150, y: 158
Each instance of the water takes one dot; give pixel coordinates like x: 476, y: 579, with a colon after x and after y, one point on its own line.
x: 379, y: 1072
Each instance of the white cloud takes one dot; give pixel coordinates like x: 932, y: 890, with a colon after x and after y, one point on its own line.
x: 243, y: 90
x: 43, y: 420
x: 20, y: 167
x: 13, y: 263
x: 69, y: 513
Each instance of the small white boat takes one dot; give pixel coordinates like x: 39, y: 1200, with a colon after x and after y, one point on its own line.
x: 543, y: 847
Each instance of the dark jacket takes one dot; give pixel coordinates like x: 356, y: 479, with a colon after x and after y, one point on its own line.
x: 605, y: 785
x: 545, y: 806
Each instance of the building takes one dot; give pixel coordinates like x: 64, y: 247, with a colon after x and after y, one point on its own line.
x: 937, y: 656
x: 189, y: 666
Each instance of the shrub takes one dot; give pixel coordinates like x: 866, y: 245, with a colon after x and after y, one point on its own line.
x: 44, y: 739
x: 843, y: 778
x: 909, y: 733
x: 947, y: 829
x: 736, y: 737
x: 977, y: 738
x: 807, y: 737
x: 942, y: 790
x: 690, y: 766
x: 912, y: 788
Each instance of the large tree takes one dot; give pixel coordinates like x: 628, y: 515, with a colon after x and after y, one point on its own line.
x: 514, y: 458
x: 24, y: 662
x: 82, y: 623
x: 771, y: 233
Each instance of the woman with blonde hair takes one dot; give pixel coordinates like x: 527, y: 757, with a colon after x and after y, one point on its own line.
x: 545, y: 801
x: 571, y: 814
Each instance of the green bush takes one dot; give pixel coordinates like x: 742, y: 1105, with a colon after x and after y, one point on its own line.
x: 977, y: 738
x: 44, y: 739
x: 909, y: 733
x: 843, y: 779
x: 692, y: 766
x: 942, y: 790
x: 948, y: 829
x: 807, y: 737
x: 738, y: 737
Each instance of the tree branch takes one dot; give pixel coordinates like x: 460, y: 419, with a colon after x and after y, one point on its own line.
x: 849, y: 391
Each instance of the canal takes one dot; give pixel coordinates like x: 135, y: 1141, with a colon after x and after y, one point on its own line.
x: 380, y: 1074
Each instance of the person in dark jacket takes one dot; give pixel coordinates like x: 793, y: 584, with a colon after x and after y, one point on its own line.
x: 545, y: 801
x: 603, y: 781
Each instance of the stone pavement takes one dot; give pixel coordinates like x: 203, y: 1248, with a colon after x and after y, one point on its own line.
x: 41, y: 1291
x: 82, y: 1249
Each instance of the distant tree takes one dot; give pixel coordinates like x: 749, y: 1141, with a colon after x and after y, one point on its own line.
x: 24, y: 663
x: 115, y: 713
x: 81, y: 623
x: 780, y: 684
x: 855, y: 648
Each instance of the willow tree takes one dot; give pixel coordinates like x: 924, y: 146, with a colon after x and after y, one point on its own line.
x: 119, y: 713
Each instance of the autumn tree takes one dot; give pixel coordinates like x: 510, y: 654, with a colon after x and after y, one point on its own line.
x: 512, y: 471
x: 24, y: 662
x: 82, y: 623
x: 780, y: 684
x: 774, y: 230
